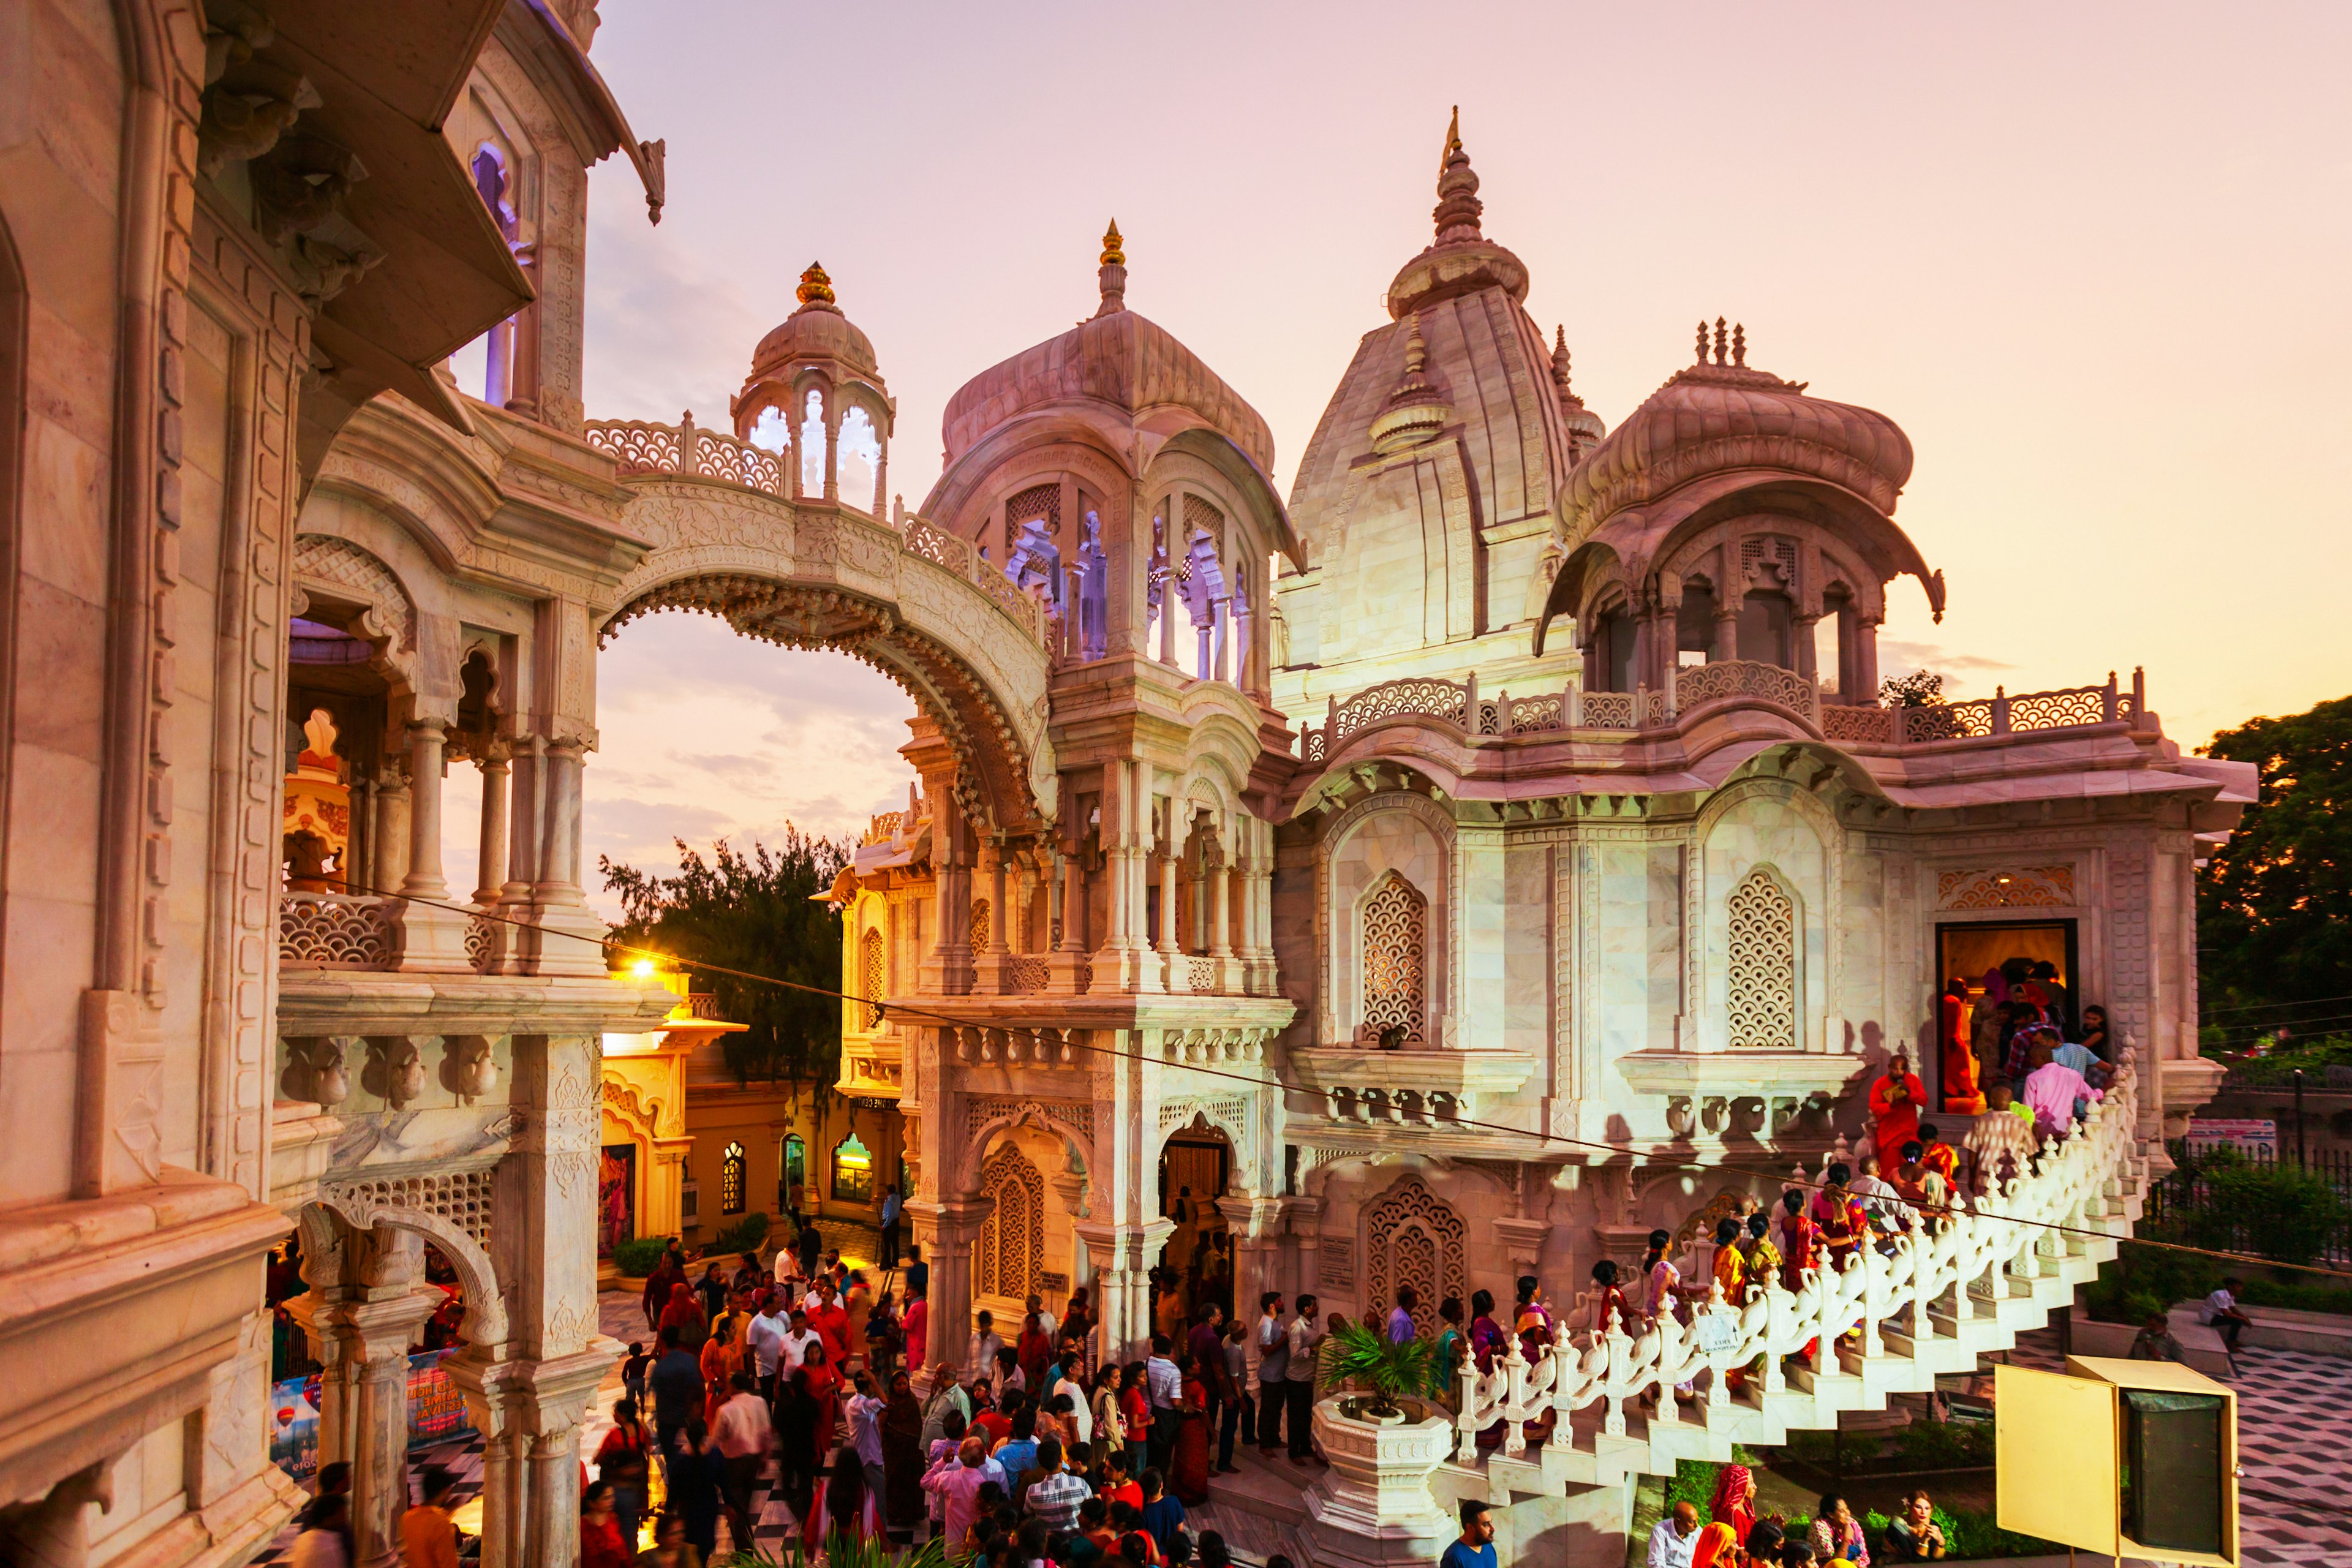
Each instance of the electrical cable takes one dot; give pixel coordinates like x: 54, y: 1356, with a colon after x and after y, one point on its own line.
x: 1726, y: 1167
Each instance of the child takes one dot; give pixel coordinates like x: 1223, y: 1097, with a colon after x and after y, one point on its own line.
x: 633, y: 1373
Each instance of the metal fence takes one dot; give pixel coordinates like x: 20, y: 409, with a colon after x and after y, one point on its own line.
x: 2200, y: 1202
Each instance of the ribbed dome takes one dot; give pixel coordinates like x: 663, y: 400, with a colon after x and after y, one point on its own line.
x: 813, y: 331
x: 1120, y: 358
x: 1711, y: 417
x: 817, y: 331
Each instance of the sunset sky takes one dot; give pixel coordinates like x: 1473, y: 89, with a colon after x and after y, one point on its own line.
x: 2091, y: 259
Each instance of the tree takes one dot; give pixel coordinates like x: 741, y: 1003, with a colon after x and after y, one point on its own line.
x: 1920, y: 689
x: 2275, y: 904
x: 756, y: 914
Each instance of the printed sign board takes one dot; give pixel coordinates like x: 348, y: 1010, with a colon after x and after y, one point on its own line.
x: 2246, y: 1134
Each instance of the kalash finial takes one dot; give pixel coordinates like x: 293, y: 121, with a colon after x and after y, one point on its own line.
x: 1458, y: 205
x: 815, y: 288
x: 1114, y: 272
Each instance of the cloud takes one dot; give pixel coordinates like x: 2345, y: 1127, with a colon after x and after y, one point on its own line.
x: 1898, y: 658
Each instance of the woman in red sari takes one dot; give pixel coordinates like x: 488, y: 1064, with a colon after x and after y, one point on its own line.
x: 824, y: 1387
x: 1735, y: 1500
x: 1838, y: 1213
x: 722, y: 1357
x: 1191, y: 1477
x: 684, y: 1313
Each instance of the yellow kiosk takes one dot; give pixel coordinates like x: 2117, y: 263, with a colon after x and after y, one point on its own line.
x: 2128, y: 1459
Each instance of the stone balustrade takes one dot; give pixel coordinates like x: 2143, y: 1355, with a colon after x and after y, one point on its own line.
x: 364, y: 932
x: 1737, y: 683
x: 1947, y: 1292
x: 1368, y: 1086
x: 642, y: 448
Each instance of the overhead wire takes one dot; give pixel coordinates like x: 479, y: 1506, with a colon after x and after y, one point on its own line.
x: 1726, y: 1167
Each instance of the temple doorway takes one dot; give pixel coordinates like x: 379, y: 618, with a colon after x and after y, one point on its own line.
x: 1990, y: 956
x: 1196, y: 1263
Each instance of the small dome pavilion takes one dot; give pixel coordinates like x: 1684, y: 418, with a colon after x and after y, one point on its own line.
x: 815, y: 392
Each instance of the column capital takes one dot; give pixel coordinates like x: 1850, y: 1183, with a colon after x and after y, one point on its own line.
x: 1523, y: 1242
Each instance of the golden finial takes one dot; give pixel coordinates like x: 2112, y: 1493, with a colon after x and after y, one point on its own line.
x: 815, y: 287
x: 1702, y: 339
x: 1739, y: 343
x: 1721, y: 341
x: 1112, y: 254
x: 1453, y: 138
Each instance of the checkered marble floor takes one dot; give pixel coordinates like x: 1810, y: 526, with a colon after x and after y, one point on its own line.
x: 2295, y: 1428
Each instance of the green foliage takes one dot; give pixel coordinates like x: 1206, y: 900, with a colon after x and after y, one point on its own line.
x: 637, y: 1256
x: 1966, y: 1533
x: 1920, y: 689
x: 1694, y: 1479
x: 2279, y: 1063
x: 2274, y: 903
x: 744, y: 1236
x: 757, y: 914
x: 1360, y: 1353
x: 2144, y: 1280
x: 1945, y: 1444
x: 2277, y: 1209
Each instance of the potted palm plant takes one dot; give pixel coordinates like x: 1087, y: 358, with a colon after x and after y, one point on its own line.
x: 1383, y: 1446
x: 1393, y: 1370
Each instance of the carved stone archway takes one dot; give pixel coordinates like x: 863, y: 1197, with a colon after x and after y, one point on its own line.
x: 449, y: 1210
x: 912, y: 600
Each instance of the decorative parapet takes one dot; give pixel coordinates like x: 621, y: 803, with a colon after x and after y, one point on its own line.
x: 643, y: 449
x: 337, y: 930
x: 1705, y: 1092
x: 1410, y: 1089
x: 1732, y: 681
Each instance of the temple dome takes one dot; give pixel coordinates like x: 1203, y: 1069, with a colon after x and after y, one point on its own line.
x: 1710, y: 417
x: 817, y: 331
x: 1116, y: 357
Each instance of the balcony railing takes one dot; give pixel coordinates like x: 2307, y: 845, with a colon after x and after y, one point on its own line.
x: 337, y: 930
x: 1458, y: 705
x: 643, y: 449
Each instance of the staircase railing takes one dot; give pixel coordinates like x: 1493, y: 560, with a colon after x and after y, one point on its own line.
x: 2069, y: 1205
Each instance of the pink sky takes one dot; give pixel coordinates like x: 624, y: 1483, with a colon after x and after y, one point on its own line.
x: 2091, y: 259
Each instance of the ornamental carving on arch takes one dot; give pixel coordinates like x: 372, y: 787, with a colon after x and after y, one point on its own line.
x: 1412, y: 1237
x: 2016, y: 888
x: 1012, y: 1251
x: 1760, y: 981
x: 1393, y: 960
x: 1070, y: 1120
x: 323, y: 558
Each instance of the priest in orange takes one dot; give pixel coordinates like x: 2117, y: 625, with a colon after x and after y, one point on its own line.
x: 1895, y: 1105
x: 1961, y: 1095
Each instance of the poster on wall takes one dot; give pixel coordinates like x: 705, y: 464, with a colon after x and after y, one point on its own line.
x: 616, y: 1192
x: 294, y: 1425
x: 2255, y: 1135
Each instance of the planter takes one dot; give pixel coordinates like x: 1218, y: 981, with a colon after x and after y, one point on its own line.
x: 1373, y: 1505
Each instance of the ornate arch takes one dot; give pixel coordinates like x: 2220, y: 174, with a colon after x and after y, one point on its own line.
x: 1439, y: 823
x: 1412, y: 1237
x: 348, y: 569
x: 1393, y: 956
x: 1229, y: 1114
x: 995, y: 782
x: 1011, y: 1254
x: 451, y: 1210
x: 1763, y: 996
x: 985, y: 1116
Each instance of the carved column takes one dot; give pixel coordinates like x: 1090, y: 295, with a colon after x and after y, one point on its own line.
x: 432, y: 934
x: 1865, y: 659
x: 947, y: 969
x: 1122, y: 1257
x: 1171, y: 848
x: 1217, y: 865
x: 391, y: 866
x: 1807, y: 661
x: 544, y: 1253
x: 1120, y: 959
x: 1257, y: 1226
x: 571, y: 938
x: 379, y: 1323
x: 948, y: 1230
x: 995, y: 965
x: 1726, y: 628
x: 490, y: 885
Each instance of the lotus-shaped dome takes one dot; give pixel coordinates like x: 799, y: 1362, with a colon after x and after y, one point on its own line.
x: 1711, y: 417
x: 817, y: 331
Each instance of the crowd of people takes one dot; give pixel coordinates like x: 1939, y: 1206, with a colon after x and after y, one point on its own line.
x: 795, y: 1376
x: 2013, y: 1040
x: 1735, y: 1536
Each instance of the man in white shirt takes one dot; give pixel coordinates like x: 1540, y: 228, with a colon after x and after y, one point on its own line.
x: 1270, y: 1349
x: 1305, y: 1340
x: 1165, y: 1385
x: 2222, y: 1314
x: 980, y: 1361
x: 745, y: 1435
x: 791, y: 1350
x: 765, y: 1339
x: 1674, y: 1539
